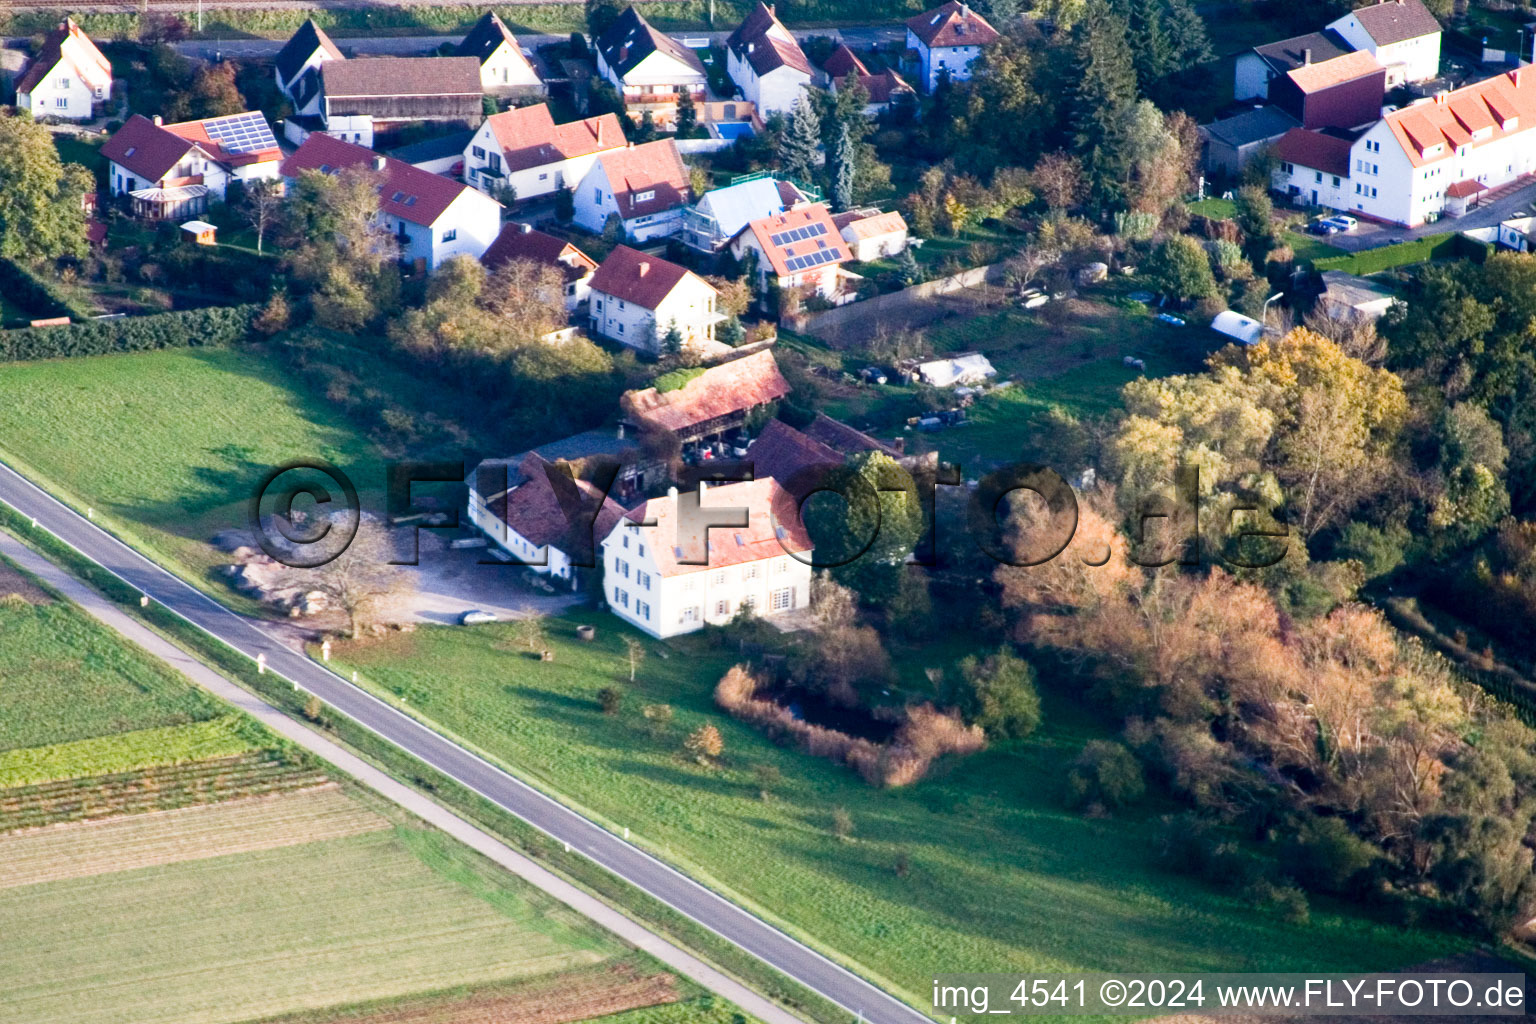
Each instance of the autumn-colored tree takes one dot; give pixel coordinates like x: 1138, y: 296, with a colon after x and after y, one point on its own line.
x: 705, y: 744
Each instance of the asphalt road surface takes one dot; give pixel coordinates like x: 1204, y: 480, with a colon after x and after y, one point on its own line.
x: 640, y: 869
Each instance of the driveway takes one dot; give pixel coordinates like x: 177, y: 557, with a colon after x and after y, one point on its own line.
x: 1370, y: 235
x: 450, y: 582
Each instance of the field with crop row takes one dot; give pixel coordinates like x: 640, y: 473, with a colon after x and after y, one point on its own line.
x: 229, y: 939
x: 126, y: 752
x: 68, y: 678
x: 162, y: 788
x: 192, y: 833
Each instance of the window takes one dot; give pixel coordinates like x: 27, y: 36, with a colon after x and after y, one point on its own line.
x: 782, y: 565
x: 782, y: 600
x: 722, y: 608
x: 1335, y: 181
x: 1287, y: 168
x: 62, y: 101
x: 597, y: 195
x: 598, y: 304
x: 626, y: 540
x: 623, y: 568
x: 643, y: 609
x: 620, y: 598
x: 689, y: 615
x: 642, y: 550
x: 1317, y: 176
x: 478, y: 152
x: 644, y: 579
x: 63, y: 83
x: 621, y: 328
x: 543, y: 177
x: 718, y: 579
x: 450, y: 234
x: 749, y: 572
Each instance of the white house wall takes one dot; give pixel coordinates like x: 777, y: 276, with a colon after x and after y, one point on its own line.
x: 62, y: 94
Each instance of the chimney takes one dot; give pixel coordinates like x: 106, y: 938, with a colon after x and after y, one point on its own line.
x: 645, y: 267
x: 1306, y: 56
x: 599, y: 131
x: 378, y: 163
x: 620, y: 434
x: 524, y: 227
x: 157, y: 120
x: 1514, y: 77
x: 965, y: 11
x: 672, y: 493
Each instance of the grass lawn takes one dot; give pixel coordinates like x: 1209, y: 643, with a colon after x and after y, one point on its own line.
x: 1001, y: 877
x: 64, y: 677
x: 169, y: 447
x: 84, y: 150
x: 230, y: 938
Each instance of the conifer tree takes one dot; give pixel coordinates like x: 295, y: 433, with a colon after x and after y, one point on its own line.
x: 800, y: 141
x: 842, y: 170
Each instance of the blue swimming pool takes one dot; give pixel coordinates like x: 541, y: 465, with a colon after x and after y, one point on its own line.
x: 734, y: 130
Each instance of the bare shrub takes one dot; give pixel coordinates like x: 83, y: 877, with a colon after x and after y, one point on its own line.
x: 735, y: 688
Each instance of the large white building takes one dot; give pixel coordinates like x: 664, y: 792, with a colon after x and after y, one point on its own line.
x: 525, y: 150
x: 1401, y: 34
x: 68, y: 79
x: 948, y: 40
x: 432, y: 218
x: 678, y: 575
x: 637, y: 299
x: 646, y: 186
x: 1420, y: 162
x: 766, y: 63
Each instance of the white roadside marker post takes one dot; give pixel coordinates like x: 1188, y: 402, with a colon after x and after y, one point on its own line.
x: 143, y: 600
x: 325, y: 651
x: 261, y: 664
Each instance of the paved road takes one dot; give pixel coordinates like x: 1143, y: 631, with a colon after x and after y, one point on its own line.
x: 627, y: 861
x: 412, y: 800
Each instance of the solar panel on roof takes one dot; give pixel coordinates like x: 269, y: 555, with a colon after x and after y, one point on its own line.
x: 241, y: 133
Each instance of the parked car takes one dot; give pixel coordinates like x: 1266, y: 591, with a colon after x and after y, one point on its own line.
x: 873, y: 374
x: 1344, y: 221
x: 1171, y: 320
x: 478, y: 618
x: 1325, y: 226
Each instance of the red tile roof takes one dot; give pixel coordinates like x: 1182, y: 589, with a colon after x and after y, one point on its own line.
x: 844, y: 62
x: 1463, y: 189
x: 804, y: 231
x: 1326, y: 153
x: 529, y: 137
x: 1499, y: 107
x: 844, y: 439
x: 522, y: 242
x: 722, y: 390
x: 953, y: 24
x: 782, y: 452
x: 551, y: 505
x: 763, y: 41
x: 882, y: 87
x: 407, y: 192
x: 145, y: 148
x: 656, y: 168
x: 863, y: 224
x: 208, y: 131
x: 773, y: 528
x: 1329, y: 73
x: 636, y: 277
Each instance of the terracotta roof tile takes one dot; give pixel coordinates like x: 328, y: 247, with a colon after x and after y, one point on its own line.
x: 70, y: 44
x: 843, y: 439
x: 763, y: 41
x: 522, y: 242
x: 792, y: 236
x: 1496, y: 108
x: 721, y: 390
x: 549, y: 504
x: 844, y: 62
x: 401, y: 76
x: 636, y: 277
x: 1326, y: 74
x: 1321, y: 152
x: 773, y: 528
x: 248, y: 132
x: 529, y: 137
x: 873, y: 226
x: 407, y: 192
x: 953, y: 24
x: 1287, y: 54
x: 780, y: 451
x: 145, y: 148
x: 655, y: 168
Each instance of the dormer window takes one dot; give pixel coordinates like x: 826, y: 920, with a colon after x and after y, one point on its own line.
x: 645, y: 197
x: 1510, y: 124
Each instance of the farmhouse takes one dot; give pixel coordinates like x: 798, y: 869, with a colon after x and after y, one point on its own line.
x: 432, y: 218
x: 637, y: 300
x: 504, y: 69
x: 649, y: 68
x: 523, y: 242
x: 766, y: 63
x: 871, y: 234
x: 364, y: 97
x: 798, y: 249
x: 170, y: 170
x: 1401, y: 34
x: 68, y: 79
x: 298, y: 66
x: 539, y: 509
x: 948, y: 39
x: 711, y: 222
x: 1423, y: 161
x: 645, y: 186
x: 716, y: 401
x: 523, y: 149
x: 676, y: 575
